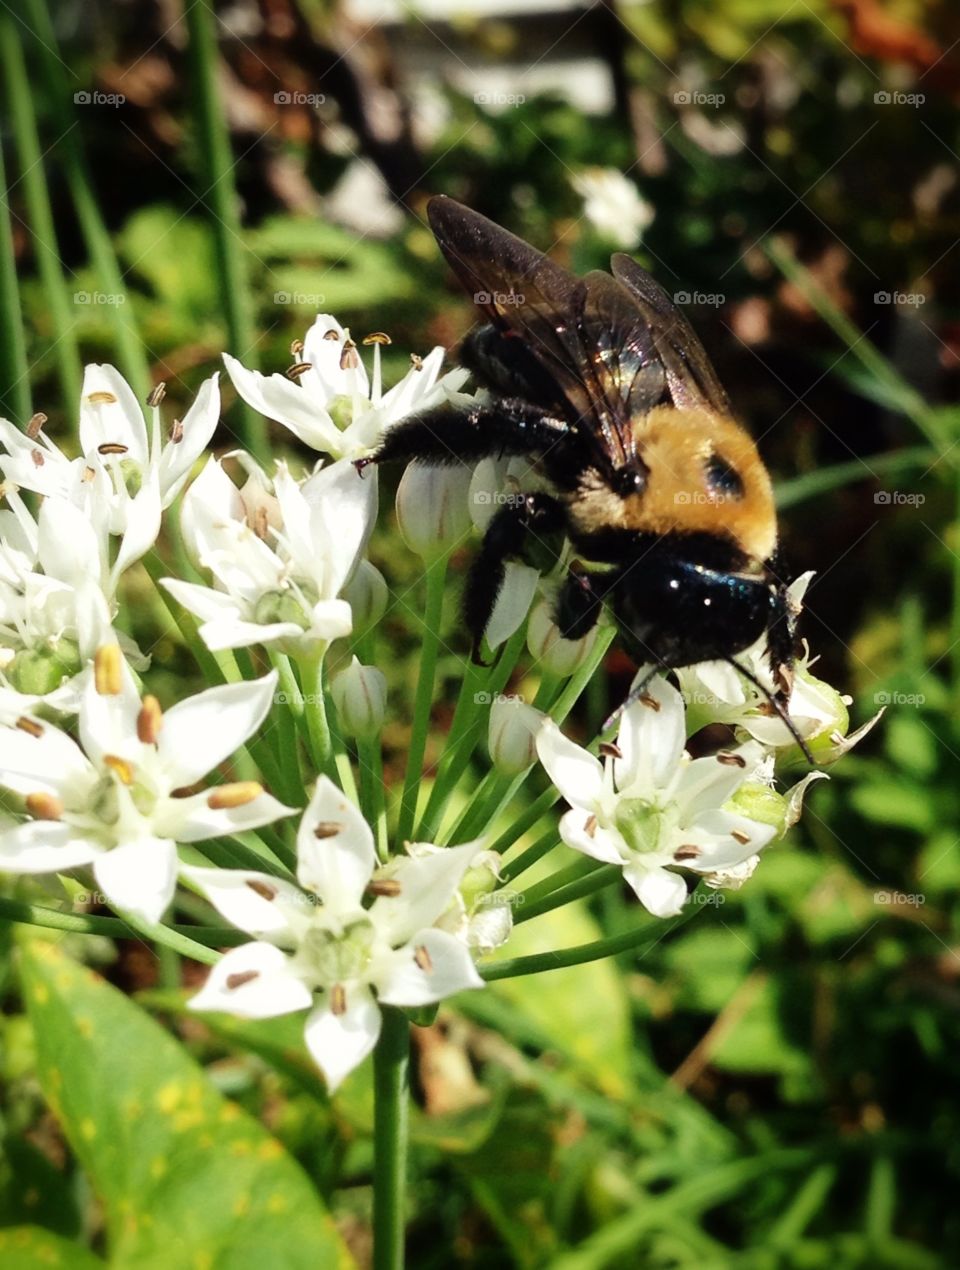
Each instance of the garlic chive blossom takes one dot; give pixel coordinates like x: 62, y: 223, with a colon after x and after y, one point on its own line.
x: 114, y: 801
x: 317, y: 947
x: 652, y: 809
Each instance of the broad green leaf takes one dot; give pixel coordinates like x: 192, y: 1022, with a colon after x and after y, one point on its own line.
x: 185, y: 1177
x: 30, y: 1248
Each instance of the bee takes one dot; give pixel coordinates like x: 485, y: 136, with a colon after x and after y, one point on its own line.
x: 602, y: 384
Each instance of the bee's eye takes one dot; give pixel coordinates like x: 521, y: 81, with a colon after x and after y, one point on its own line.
x: 630, y: 480
x: 722, y: 479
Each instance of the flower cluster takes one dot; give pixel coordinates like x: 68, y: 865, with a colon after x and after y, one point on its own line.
x: 152, y: 801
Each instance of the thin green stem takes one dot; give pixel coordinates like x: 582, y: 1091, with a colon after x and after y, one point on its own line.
x: 525, y: 821
x: 14, y: 371
x: 315, y: 712
x: 597, y: 879
x: 423, y: 701
x: 823, y: 479
x: 391, y: 1060
x: 372, y: 800
x: 218, y: 185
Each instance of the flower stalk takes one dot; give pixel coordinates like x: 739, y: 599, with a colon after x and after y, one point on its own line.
x: 391, y: 1092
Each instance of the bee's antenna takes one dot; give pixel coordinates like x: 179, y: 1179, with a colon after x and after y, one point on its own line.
x: 778, y: 706
x: 634, y: 697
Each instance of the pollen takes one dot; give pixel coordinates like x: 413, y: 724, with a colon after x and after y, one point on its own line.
x: 338, y: 999
x: 37, y: 456
x: 149, y: 721
x: 108, y: 670
x: 384, y: 886
x: 590, y: 826
x: 35, y: 426
x: 688, y: 852
x: 237, y: 794
x: 241, y: 979
x: 30, y: 726
x: 111, y: 447
x: 738, y: 836
x: 377, y: 337
x: 101, y: 398
x: 650, y: 702
x: 297, y: 369
x: 423, y: 959
x: 349, y: 358
x: 296, y: 348
x: 44, y: 806
x: 327, y: 829
x: 263, y: 889
x: 331, y: 335
x: 609, y: 750
x: 731, y: 760
x: 176, y: 432
x: 157, y: 394
x: 121, y: 768
x: 416, y: 361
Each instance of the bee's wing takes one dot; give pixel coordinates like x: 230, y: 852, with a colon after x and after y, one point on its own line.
x: 690, y: 376
x: 589, y: 336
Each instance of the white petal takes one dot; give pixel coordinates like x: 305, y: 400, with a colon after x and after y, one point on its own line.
x: 51, y: 763
x: 340, y: 1042
x: 200, y: 732
x: 141, y: 525
x: 331, y: 619
x: 139, y: 877
x: 277, y: 398
x: 427, y: 884
x: 44, y: 846
x: 335, y: 852
x: 725, y: 839
x: 342, y: 512
x: 651, y: 739
x: 203, y: 601
x: 193, y: 819
x: 709, y: 782
x: 254, y: 981
x: 108, y: 722
x: 118, y: 422
x: 258, y: 903
x: 513, y: 602
x: 660, y: 892
x: 600, y: 844
x: 326, y: 378
x: 198, y: 424
x: 211, y: 499
x: 67, y: 543
x: 434, y: 965
x: 575, y: 772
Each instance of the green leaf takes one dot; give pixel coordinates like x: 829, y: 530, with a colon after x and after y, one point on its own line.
x: 184, y: 1176
x: 30, y: 1248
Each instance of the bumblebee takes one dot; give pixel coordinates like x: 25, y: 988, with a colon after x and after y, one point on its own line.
x: 603, y: 385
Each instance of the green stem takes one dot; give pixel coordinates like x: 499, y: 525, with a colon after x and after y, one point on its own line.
x: 20, y: 104
x: 391, y: 1060
x: 218, y: 167
x: 824, y: 479
x: 526, y: 820
x: 599, y: 877
x: 436, y: 581
x: 315, y: 712
x: 514, y: 967
x: 14, y: 371
x: 372, y: 801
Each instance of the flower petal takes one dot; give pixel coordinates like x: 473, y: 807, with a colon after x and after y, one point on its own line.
x: 51, y: 762
x: 432, y: 966
x: 427, y: 884
x: 193, y: 819
x: 108, y: 721
x: 44, y: 846
x: 596, y: 842
x: 277, y: 398
x: 340, y: 1042
x: 651, y: 739
x: 254, y: 981
x: 574, y: 771
x: 139, y: 877
x: 708, y: 782
x: 335, y: 852
x: 661, y: 892
x: 201, y: 731
x: 513, y: 602
x: 110, y: 414
x: 258, y: 903
x: 197, y: 428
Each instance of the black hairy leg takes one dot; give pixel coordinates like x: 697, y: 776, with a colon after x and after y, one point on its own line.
x: 451, y: 433
x: 508, y: 533
x: 579, y: 603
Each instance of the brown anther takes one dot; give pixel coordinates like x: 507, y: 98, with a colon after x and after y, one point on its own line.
x: 423, y: 959
x: 176, y: 432
x: 349, y: 358
x: 121, y: 768
x: 338, y: 999
x: 88, y: 474
x: 111, y: 447
x: 377, y: 337
x: 785, y: 679
x: 590, y: 826
x: 44, y: 806
x: 103, y: 398
x: 767, y: 710
x: 35, y: 426
x: 37, y: 456
x: 241, y: 978
x: 687, y: 852
x: 263, y: 889
x: 731, y: 760
x: 650, y: 702
x: 416, y: 361
x: 157, y: 394
x: 326, y: 829
x: 261, y: 522
x: 331, y: 335
x: 30, y: 726
x: 296, y: 348
x: 384, y: 886
x: 297, y: 369
x: 108, y: 670
x: 149, y: 721
x: 237, y: 794
x: 738, y: 836
x: 608, y: 749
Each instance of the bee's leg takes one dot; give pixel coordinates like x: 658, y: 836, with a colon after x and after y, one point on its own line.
x: 578, y: 604
x: 451, y: 433
x: 508, y: 532
x: 781, y: 646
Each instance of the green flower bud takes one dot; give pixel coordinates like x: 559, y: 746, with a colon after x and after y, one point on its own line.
x: 367, y: 595
x: 341, y: 411
x: 37, y: 671
x: 360, y: 695
x: 759, y: 802
x: 555, y: 654
x: 433, y: 507
x: 280, y: 606
x: 511, y: 737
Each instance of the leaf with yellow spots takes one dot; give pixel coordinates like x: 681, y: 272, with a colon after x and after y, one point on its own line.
x: 185, y: 1177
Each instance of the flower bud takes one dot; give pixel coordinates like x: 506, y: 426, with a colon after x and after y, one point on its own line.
x: 433, y: 507
x: 555, y: 654
x: 511, y: 738
x: 37, y: 671
x: 367, y: 595
x: 360, y: 695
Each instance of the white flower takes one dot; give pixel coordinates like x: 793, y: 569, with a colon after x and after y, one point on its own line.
x: 127, y: 473
x: 613, y: 205
x: 320, y: 949
x: 111, y: 801
x: 333, y: 407
x: 652, y: 808
x: 511, y: 735
x: 279, y: 560
x: 54, y: 606
x: 432, y: 509
x: 548, y: 647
